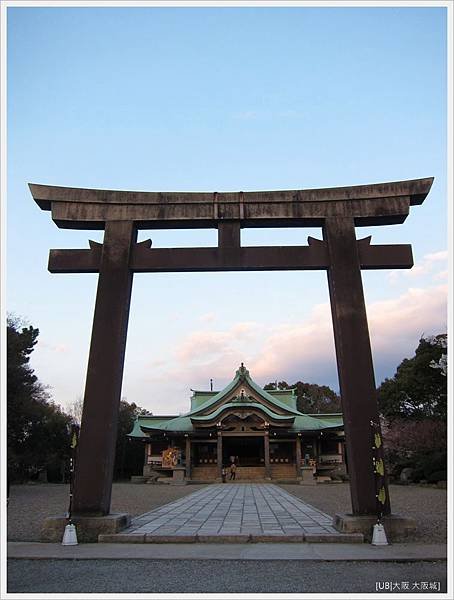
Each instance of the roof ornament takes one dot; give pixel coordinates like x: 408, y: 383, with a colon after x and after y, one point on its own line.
x: 242, y: 372
x: 242, y: 397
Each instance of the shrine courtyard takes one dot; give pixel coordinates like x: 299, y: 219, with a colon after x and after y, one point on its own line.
x: 157, y: 504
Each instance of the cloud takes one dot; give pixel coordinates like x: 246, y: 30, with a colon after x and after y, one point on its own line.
x: 419, y: 310
x: 208, y: 317
x: 424, y: 267
x: 59, y: 348
x: 305, y: 350
x: 436, y: 256
x: 156, y: 364
x: 288, y: 350
x: 441, y: 276
x: 245, y: 330
x: 203, y: 346
x: 200, y: 345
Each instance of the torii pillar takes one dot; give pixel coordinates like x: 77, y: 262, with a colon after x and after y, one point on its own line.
x: 354, y: 361
x: 96, y: 455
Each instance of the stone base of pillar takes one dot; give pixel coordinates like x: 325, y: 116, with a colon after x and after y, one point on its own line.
x: 307, y: 476
x: 396, y: 526
x: 87, y: 528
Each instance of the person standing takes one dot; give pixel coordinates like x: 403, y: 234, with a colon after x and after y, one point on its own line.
x: 232, y: 471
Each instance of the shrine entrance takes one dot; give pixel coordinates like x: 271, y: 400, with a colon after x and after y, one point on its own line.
x: 337, y: 211
x: 246, y: 451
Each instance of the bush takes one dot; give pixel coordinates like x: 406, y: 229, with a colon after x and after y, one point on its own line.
x: 420, y: 445
x: 437, y: 476
x: 431, y: 463
x: 426, y: 465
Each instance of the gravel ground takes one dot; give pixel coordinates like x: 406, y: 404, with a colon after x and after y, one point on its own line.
x: 425, y: 504
x: 30, y: 504
x: 215, y: 576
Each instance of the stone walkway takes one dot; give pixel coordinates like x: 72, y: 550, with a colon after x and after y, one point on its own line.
x: 234, y: 513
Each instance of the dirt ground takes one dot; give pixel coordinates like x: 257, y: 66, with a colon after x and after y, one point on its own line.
x: 428, y: 505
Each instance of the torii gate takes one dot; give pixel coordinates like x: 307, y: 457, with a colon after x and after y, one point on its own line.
x: 121, y: 213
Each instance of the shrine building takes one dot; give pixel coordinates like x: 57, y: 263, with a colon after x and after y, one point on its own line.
x: 261, y: 430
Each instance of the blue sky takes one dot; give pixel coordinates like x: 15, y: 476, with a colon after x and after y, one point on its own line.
x: 218, y: 99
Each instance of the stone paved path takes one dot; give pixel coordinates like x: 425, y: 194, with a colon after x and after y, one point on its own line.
x: 234, y: 512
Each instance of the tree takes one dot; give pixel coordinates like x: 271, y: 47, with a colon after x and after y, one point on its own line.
x: 129, y: 453
x: 281, y: 385
x: 310, y: 397
x: 417, y: 390
x: 37, y: 429
x: 313, y: 398
x: 75, y: 410
x: 442, y: 342
x: 414, y: 404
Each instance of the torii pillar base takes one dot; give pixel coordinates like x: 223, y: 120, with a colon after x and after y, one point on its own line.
x: 397, y: 527
x: 88, y: 528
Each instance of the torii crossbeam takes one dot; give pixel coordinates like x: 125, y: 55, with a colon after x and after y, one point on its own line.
x: 336, y: 210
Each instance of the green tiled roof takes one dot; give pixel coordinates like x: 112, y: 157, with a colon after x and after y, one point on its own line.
x: 286, y: 396
x: 314, y: 423
x: 201, y: 401
x: 200, y: 397
x: 242, y: 374
x: 182, y: 424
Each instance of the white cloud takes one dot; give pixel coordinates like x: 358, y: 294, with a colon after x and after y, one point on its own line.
x: 436, y: 256
x: 208, y: 317
x: 306, y: 349
x: 59, y: 347
x: 441, y: 276
x: 429, y: 262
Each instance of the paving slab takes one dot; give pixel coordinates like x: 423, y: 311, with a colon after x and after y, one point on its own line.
x: 233, y: 513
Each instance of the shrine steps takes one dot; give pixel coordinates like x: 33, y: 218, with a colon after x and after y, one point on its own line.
x: 283, y: 471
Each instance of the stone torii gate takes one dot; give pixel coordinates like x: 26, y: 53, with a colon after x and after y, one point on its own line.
x: 121, y: 213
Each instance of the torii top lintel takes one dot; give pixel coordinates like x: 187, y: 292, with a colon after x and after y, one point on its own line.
x: 374, y: 204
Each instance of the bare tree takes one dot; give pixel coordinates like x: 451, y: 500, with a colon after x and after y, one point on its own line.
x: 75, y: 409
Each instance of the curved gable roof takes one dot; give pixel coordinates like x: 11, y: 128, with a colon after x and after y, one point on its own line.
x: 242, y: 375
x: 213, y: 406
